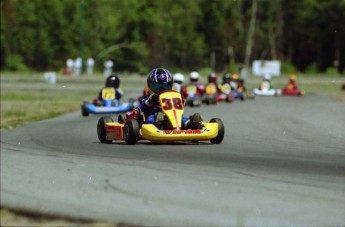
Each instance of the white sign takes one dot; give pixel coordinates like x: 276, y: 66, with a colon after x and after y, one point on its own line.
x: 262, y: 67
x: 50, y: 77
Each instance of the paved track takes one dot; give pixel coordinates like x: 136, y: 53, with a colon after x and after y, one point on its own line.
x: 282, y: 162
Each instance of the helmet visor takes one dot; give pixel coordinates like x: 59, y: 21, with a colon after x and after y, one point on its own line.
x: 158, y: 87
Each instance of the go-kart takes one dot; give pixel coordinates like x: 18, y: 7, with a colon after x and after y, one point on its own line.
x: 108, y: 104
x: 265, y: 90
x: 293, y: 92
x: 243, y: 94
x: 270, y: 92
x: 290, y: 90
x: 226, y: 95
x: 133, y: 128
x: 193, y: 98
x: 211, y: 92
x: 238, y: 95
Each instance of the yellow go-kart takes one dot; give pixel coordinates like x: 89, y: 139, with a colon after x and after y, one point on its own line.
x: 133, y: 128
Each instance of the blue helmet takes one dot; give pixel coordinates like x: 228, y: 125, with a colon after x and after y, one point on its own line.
x: 159, y: 80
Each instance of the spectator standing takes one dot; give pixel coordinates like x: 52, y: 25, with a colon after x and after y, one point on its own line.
x: 89, y: 66
x: 78, y: 66
x: 108, y: 68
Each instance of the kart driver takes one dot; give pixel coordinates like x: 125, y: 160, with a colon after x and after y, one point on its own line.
x: 291, y: 88
x: 178, y: 84
x: 159, y: 80
x: 213, y: 79
x: 226, y: 88
x: 194, y: 81
x: 237, y: 86
x: 112, y: 81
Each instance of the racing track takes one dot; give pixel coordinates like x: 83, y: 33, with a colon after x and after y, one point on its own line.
x: 282, y: 163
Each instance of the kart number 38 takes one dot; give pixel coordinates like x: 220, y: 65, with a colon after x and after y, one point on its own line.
x: 169, y: 104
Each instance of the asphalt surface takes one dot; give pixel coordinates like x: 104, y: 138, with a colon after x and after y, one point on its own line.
x: 281, y: 163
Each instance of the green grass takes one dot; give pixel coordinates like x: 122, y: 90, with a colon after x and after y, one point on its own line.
x: 17, y: 112
x: 25, y: 97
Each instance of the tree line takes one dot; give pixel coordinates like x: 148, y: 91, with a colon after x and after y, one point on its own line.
x: 137, y: 35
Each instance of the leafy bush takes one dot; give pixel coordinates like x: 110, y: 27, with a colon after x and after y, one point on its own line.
x: 332, y: 71
x: 15, y: 63
x: 205, y: 71
x: 287, y: 67
x: 312, y: 69
x: 233, y: 68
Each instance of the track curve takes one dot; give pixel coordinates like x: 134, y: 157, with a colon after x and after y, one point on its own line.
x: 282, y: 162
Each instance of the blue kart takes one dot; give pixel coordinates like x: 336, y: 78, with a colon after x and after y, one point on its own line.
x: 108, y: 105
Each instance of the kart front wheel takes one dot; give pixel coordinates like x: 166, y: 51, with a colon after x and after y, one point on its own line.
x: 207, y: 101
x: 219, y: 138
x: 131, y: 131
x: 101, y: 131
x: 84, y: 111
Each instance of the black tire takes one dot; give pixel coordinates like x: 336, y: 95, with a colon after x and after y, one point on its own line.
x: 220, y: 136
x: 120, y: 119
x: 101, y: 132
x: 207, y: 101
x: 190, y: 102
x: 84, y: 111
x: 131, y: 131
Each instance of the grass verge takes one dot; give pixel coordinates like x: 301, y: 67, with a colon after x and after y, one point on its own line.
x: 27, y: 98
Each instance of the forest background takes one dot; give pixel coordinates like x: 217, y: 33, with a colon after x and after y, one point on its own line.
x: 137, y: 35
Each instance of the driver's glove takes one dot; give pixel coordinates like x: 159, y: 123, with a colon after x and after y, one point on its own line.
x: 152, y: 99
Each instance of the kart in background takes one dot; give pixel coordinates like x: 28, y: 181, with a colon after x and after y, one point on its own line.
x: 192, y: 99
x: 211, y: 93
x: 226, y: 95
x: 265, y: 90
x: 108, y: 105
x: 133, y: 128
x: 240, y: 91
x: 286, y: 92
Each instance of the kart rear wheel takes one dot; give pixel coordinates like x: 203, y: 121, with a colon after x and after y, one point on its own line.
x: 131, y: 131
x: 190, y: 103
x: 84, y: 111
x: 219, y: 138
x: 101, y: 131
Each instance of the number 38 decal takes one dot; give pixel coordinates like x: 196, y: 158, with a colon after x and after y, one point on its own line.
x: 175, y: 103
